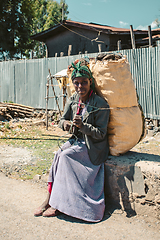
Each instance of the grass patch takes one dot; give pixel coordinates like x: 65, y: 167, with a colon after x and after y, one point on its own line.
x: 35, y: 138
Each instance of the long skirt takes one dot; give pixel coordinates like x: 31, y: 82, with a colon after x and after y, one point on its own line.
x: 78, y: 185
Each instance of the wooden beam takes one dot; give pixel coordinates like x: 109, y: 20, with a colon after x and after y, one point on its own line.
x: 132, y: 37
x: 150, y: 36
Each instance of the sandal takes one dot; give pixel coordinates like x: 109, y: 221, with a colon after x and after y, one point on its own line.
x: 50, y: 212
x: 39, y: 211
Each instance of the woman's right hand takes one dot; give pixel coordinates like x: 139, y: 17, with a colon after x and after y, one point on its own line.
x: 67, y: 126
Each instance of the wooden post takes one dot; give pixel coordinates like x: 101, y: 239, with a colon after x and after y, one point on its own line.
x: 150, y: 36
x: 69, y: 50
x: 31, y: 54
x: 64, y: 97
x: 132, y: 37
x: 119, y: 45
x: 46, y: 53
x: 47, y: 93
x: 54, y: 91
x: 99, y: 48
x: 61, y: 54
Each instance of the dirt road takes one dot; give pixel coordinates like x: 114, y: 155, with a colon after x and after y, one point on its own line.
x: 18, y: 199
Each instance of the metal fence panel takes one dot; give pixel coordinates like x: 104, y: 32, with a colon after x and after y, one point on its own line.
x: 24, y: 81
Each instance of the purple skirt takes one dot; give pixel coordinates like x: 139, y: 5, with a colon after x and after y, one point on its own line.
x: 78, y: 185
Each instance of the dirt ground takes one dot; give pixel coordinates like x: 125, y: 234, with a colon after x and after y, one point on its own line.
x: 18, y: 199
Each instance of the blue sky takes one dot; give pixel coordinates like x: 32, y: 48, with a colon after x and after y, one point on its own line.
x: 116, y: 13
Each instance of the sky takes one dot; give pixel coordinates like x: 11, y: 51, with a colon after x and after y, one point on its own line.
x: 116, y: 13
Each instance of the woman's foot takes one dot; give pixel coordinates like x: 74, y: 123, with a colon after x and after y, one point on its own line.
x: 39, y: 211
x: 50, y: 212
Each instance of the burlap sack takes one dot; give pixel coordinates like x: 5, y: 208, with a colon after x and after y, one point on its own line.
x: 114, y: 82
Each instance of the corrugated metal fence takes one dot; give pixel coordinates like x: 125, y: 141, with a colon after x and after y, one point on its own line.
x: 24, y: 81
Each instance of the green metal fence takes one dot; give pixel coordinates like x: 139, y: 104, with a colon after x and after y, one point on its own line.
x: 24, y: 81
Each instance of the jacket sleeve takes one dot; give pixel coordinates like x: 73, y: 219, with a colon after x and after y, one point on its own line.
x: 67, y: 113
x: 98, y: 129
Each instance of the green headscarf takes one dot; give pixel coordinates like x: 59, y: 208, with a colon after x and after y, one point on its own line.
x: 82, y: 71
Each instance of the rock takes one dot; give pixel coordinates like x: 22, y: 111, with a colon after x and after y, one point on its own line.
x: 37, y: 177
x: 150, y: 195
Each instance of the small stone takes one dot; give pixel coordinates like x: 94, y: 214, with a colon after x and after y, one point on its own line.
x: 37, y: 177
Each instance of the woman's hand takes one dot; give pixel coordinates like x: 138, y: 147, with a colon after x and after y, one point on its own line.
x: 77, y: 121
x: 67, y: 126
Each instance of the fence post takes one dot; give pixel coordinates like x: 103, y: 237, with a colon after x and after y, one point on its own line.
x: 132, y: 37
x: 150, y: 36
x: 119, y: 45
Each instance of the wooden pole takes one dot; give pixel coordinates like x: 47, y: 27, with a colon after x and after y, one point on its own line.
x: 54, y: 91
x: 69, y: 50
x: 64, y: 97
x: 31, y: 54
x: 46, y: 53
x: 61, y: 54
x: 150, y: 36
x: 132, y: 37
x: 47, y: 93
x: 119, y: 45
x: 99, y: 48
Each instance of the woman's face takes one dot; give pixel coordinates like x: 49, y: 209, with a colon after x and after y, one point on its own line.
x: 82, y: 87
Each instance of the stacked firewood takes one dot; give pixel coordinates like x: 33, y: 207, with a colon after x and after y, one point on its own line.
x: 9, y: 111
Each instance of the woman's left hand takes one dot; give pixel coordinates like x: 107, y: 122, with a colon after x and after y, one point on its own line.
x: 77, y: 121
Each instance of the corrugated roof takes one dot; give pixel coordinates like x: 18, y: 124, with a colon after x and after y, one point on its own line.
x: 90, y: 26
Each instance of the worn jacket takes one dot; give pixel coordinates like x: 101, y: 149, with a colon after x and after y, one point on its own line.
x: 94, y: 127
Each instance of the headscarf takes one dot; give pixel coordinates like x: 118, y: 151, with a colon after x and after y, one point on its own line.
x: 81, y: 70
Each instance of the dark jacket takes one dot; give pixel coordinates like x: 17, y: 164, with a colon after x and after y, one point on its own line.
x: 94, y: 128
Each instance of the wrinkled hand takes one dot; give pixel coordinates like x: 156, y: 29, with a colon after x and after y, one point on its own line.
x: 77, y: 121
x: 67, y: 126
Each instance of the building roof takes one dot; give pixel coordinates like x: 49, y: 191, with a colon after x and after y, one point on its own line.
x: 67, y: 25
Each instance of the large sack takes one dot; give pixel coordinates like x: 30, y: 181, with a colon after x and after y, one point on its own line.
x: 114, y: 82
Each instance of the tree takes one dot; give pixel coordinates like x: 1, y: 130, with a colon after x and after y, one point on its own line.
x: 16, y: 20
x: 47, y: 14
x: 19, y: 19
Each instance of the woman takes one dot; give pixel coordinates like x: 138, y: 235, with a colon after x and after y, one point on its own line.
x: 76, y: 178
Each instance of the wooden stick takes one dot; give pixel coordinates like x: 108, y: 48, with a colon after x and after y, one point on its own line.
x: 47, y: 93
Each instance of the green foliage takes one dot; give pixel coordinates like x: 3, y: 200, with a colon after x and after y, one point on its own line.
x: 19, y: 19
x: 16, y: 20
x: 47, y: 14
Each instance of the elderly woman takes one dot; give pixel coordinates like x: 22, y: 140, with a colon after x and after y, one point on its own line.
x: 76, y: 178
